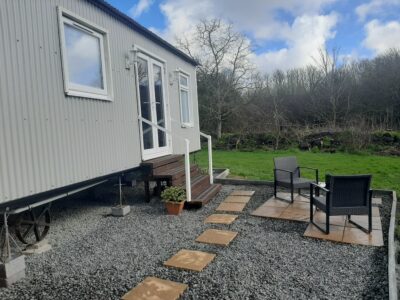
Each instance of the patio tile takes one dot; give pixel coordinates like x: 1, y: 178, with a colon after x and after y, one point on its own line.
x: 227, y: 206
x: 276, y: 203
x: 221, y: 219
x: 300, y: 205
x: 375, y: 212
x: 363, y: 221
x: 237, y: 199
x: 296, y: 214
x: 218, y: 237
x: 268, y: 211
x: 242, y: 193
x: 335, y: 233
x: 357, y: 236
x: 320, y: 218
x: 377, y: 201
x: 190, y: 260
x: 153, y: 288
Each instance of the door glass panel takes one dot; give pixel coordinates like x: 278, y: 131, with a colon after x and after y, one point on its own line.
x: 145, y: 103
x: 159, y: 99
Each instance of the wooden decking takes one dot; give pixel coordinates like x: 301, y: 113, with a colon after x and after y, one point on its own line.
x: 171, y: 169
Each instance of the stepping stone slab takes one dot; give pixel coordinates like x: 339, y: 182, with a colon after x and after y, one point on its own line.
x: 237, y: 199
x: 153, y: 288
x: 242, y: 193
x: 218, y: 237
x: 221, y: 219
x: 190, y: 260
x: 228, y: 206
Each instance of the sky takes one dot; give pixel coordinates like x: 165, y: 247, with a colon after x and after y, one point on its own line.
x: 284, y: 33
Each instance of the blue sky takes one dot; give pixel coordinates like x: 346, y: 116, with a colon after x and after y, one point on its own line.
x: 284, y: 33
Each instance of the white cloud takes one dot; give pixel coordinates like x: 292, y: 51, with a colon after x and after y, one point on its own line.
x: 303, y: 29
x: 306, y: 36
x: 382, y: 36
x: 374, y: 7
x: 141, y: 7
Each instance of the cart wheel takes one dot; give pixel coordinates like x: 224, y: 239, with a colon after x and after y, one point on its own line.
x: 33, y: 225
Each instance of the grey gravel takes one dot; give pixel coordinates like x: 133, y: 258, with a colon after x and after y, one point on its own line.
x: 96, y: 256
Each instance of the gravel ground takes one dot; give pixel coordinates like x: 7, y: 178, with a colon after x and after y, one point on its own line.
x: 95, y: 256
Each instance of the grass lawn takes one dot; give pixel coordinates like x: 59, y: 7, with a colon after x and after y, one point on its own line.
x: 259, y: 165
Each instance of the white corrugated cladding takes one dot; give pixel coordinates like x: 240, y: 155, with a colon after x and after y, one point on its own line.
x: 49, y: 140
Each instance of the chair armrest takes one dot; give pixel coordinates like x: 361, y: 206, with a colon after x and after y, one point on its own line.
x: 308, y: 168
x: 316, y: 186
x: 283, y: 170
x: 316, y: 172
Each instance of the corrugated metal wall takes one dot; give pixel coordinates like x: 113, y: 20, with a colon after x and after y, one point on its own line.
x: 48, y: 140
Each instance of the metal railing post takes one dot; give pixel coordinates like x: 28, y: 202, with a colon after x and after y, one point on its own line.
x: 210, y: 160
x: 187, y: 171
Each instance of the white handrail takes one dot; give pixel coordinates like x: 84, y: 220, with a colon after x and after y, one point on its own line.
x: 210, y: 160
x: 187, y: 156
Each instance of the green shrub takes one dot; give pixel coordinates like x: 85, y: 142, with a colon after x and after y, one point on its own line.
x: 173, y: 194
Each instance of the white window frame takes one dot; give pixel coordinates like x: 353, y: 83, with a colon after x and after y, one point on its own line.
x: 78, y: 90
x: 188, y: 90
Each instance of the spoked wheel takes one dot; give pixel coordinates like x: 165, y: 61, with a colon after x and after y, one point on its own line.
x: 33, y: 225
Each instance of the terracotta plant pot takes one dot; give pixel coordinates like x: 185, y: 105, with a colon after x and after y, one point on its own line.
x: 174, y: 208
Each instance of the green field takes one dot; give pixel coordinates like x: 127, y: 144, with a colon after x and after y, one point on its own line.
x: 259, y: 165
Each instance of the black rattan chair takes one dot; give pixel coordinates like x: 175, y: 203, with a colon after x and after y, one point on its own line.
x: 344, y: 195
x: 287, y: 174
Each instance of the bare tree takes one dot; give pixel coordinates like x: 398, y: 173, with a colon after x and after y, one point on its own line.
x: 225, y: 69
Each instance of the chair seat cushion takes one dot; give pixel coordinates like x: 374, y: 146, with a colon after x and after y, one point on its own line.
x: 298, y: 183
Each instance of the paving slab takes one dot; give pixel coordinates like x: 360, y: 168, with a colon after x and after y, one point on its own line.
x: 377, y: 201
x: 296, y: 214
x: 242, y: 193
x: 217, y: 237
x: 221, y: 219
x: 335, y: 233
x: 268, y: 212
x: 228, y: 206
x: 153, y: 288
x: 190, y: 260
x: 359, y: 237
x: 237, y: 199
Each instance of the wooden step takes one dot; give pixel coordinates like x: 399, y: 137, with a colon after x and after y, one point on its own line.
x: 199, y: 185
x: 175, y: 173
x: 180, y: 180
x: 205, y: 197
x: 166, y: 168
x: 161, y: 161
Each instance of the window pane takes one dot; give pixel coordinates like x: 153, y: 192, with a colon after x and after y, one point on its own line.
x: 183, y: 80
x: 185, y: 106
x: 158, y: 92
x: 83, y: 57
x: 145, y: 105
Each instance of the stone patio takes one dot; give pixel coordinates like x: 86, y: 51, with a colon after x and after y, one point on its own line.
x: 341, y: 230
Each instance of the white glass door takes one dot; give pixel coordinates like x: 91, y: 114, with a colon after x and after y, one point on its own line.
x: 152, y: 104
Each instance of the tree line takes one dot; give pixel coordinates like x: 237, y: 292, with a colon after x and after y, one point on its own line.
x: 330, y: 94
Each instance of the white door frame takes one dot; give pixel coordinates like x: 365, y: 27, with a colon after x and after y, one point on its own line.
x: 156, y: 151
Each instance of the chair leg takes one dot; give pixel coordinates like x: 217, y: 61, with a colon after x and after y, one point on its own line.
x: 291, y: 193
x: 327, y: 223
x: 369, y: 222
x: 275, y: 188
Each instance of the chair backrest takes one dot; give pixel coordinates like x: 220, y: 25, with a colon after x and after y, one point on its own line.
x: 349, y: 191
x: 286, y: 163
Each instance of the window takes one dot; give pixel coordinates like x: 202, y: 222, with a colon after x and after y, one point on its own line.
x: 84, y: 54
x: 185, y: 100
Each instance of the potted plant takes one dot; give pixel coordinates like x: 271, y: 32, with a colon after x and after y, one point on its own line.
x: 174, y: 198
